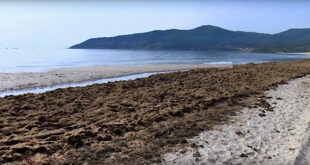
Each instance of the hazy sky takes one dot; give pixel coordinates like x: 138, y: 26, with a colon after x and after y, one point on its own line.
x: 61, y: 23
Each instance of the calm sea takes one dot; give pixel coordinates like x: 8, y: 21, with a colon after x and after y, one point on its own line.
x: 36, y: 60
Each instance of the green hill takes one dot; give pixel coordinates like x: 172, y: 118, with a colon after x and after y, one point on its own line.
x: 205, y: 38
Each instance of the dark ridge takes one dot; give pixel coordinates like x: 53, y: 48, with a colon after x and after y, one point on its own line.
x: 205, y: 37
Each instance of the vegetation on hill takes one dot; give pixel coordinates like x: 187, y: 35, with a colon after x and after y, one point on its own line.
x: 205, y: 38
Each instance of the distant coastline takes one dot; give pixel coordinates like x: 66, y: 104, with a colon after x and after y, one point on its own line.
x: 206, y: 38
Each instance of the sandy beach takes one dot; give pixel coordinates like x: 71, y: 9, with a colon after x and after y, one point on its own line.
x: 257, y: 135
x: 249, y: 114
x: 179, y: 82
x: 27, y: 80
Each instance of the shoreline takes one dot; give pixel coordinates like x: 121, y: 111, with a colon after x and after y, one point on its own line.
x: 30, y: 80
x: 139, y: 121
x: 38, y: 90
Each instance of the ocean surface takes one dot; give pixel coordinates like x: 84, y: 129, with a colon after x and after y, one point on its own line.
x: 37, y: 60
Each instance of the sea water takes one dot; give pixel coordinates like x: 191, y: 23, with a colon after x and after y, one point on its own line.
x: 38, y: 60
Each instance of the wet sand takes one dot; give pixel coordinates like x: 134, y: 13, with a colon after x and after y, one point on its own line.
x: 28, y: 80
x: 139, y: 121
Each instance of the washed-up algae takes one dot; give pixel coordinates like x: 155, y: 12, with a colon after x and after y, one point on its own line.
x: 132, y: 122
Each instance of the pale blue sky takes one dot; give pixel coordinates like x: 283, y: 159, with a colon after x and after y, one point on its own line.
x: 60, y: 24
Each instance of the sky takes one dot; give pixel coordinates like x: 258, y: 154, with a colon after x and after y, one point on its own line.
x: 63, y: 23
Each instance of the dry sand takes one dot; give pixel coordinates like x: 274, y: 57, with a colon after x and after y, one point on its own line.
x: 303, y: 157
x: 256, y: 135
x: 26, y: 80
x: 138, y: 121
